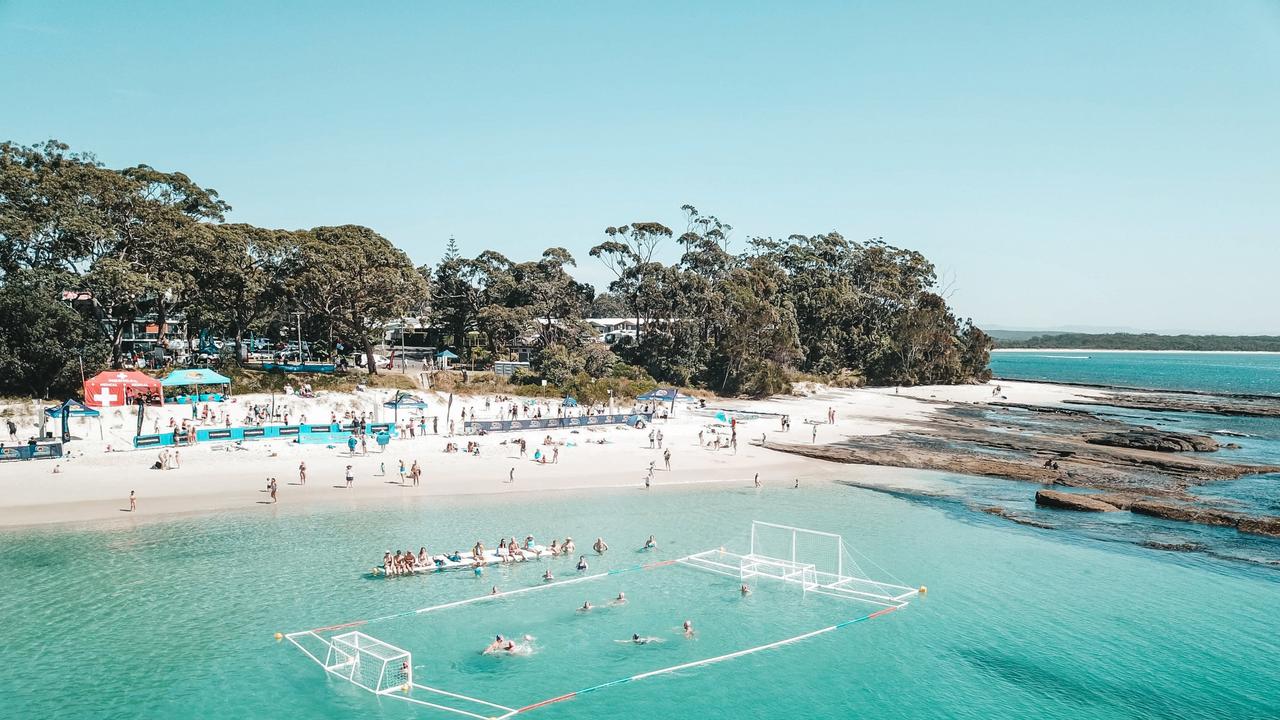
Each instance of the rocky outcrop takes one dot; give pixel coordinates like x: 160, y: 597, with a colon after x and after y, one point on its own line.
x: 1269, y: 526
x: 1072, y: 501
x: 1252, y: 406
x: 1147, y: 438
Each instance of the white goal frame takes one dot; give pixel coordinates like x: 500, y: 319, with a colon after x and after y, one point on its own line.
x: 341, y: 655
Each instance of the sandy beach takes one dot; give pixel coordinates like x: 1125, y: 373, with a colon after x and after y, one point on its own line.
x: 94, y: 484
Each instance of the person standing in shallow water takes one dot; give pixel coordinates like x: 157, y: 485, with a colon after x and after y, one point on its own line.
x: 133, y: 501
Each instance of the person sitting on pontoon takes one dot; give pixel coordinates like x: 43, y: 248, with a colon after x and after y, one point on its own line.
x: 386, y: 562
x: 528, y: 542
x: 503, y: 553
x: 456, y: 556
x: 477, y: 552
x: 422, y: 556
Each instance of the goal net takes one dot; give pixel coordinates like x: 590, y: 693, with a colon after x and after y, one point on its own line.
x: 779, y: 549
x: 368, y: 662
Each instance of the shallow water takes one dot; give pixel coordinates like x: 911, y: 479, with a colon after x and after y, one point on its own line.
x: 1257, y: 374
x: 175, y: 619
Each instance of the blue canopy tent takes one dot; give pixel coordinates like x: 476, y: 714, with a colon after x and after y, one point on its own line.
x: 570, y: 401
x: 69, y: 409
x: 445, y: 356
x: 196, y: 377
x: 660, y: 394
x: 405, y: 400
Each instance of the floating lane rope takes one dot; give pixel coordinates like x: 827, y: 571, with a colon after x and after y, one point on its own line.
x: 699, y: 663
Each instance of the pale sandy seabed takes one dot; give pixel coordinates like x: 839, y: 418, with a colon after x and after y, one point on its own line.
x: 93, y: 486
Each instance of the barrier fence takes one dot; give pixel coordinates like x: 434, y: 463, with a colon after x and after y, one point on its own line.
x: 39, y: 451
x: 473, y: 426
x: 337, y: 431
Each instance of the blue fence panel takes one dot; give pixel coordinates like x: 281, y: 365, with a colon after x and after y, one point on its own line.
x: 262, y: 432
x: 472, y: 426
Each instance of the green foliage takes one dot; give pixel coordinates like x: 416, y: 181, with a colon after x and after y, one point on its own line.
x: 1147, y: 341
x: 42, y: 339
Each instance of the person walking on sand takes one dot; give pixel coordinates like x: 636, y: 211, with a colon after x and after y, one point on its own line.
x: 401, y: 471
x: 350, y: 477
x: 133, y: 501
x: 651, y: 438
x: 302, y: 473
x: 555, y: 454
x: 659, y: 439
x: 177, y: 460
x: 815, y: 432
x: 511, y: 476
x: 273, y: 489
x: 666, y: 458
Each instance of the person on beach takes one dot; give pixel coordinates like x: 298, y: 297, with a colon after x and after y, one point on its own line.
x: 133, y: 501
x: 511, y: 476
x: 416, y: 473
x: 273, y: 490
x: 757, y: 481
x: 555, y: 455
x: 666, y: 458
x: 402, y: 471
x: 651, y: 439
x: 659, y: 439
x: 600, y: 546
x: 350, y: 477
x: 815, y: 432
x: 351, y: 445
x: 177, y: 460
x: 302, y: 473
x: 797, y: 485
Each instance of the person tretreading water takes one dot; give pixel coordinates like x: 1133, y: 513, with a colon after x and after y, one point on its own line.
x: 651, y: 543
x: 582, y: 563
x: 600, y: 546
x: 620, y: 600
x: 688, y: 628
x: 586, y: 607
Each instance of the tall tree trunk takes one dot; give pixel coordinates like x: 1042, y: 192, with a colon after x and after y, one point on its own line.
x: 368, y: 357
x: 239, y: 344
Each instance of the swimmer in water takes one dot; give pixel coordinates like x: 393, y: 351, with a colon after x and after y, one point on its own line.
x: 547, y: 576
x: 651, y: 543
x: 586, y: 607
x: 744, y: 590
x: 582, y: 563
x: 620, y: 600
x: 600, y: 546
x: 494, y: 591
x: 688, y: 628
x: 494, y: 646
x: 637, y: 640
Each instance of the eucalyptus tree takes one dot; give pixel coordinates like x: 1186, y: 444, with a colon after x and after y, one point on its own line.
x: 241, y: 279
x: 628, y: 253
x: 357, y: 279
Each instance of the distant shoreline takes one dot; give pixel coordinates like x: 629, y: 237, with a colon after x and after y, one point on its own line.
x: 1100, y: 350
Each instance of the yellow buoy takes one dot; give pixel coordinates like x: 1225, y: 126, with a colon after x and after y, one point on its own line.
x: 279, y: 636
x: 405, y: 688
x: 923, y: 590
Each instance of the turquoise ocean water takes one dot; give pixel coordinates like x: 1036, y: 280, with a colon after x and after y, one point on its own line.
x: 1241, y: 373
x: 174, y: 619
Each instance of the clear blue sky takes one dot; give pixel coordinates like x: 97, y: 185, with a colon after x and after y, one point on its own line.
x: 1064, y: 164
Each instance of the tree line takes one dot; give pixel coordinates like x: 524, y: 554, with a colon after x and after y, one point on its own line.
x: 1146, y: 341
x: 87, y: 249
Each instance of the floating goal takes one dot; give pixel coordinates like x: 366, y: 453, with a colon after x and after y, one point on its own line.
x: 818, y: 562
x: 814, y: 561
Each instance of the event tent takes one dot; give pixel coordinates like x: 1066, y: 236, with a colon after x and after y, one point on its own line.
x: 404, y: 400
x: 444, y: 357
x: 660, y: 394
x: 194, y: 376
x: 115, y: 388
x: 68, y: 409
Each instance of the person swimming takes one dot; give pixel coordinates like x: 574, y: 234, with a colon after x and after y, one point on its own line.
x: 640, y: 640
x: 599, y: 546
x: 586, y: 607
x: 651, y: 543
x: 688, y: 628
x: 620, y: 600
x: 494, y: 646
x: 494, y: 591
x: 547, y: 576
x: 582, y: 563
x: 744, y: 590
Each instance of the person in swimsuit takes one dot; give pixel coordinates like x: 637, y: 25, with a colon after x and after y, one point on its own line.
x: 582, y: 563
x: 688, y: 628
x: 651, y: 543
x: 600, y: 546
x: 302, y: 473
x: 744, y: 590
x: 133, y: 501
x: 547, y: 576
x: 586, y: 607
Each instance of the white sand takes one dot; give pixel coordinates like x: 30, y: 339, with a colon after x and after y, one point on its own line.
x: 94, y: 484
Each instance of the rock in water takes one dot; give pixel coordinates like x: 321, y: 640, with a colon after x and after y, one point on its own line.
x: 1153, y: 439
x: 1072, y: 501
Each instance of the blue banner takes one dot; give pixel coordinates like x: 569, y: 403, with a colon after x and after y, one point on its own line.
x: 555, y: 423
x: 39, y: 451
x: 264, y: 432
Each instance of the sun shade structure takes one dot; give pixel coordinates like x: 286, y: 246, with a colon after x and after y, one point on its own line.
x: 404, y: 400
x: 72, y: 408
x: 116, y: 388
x: 194, y: 376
